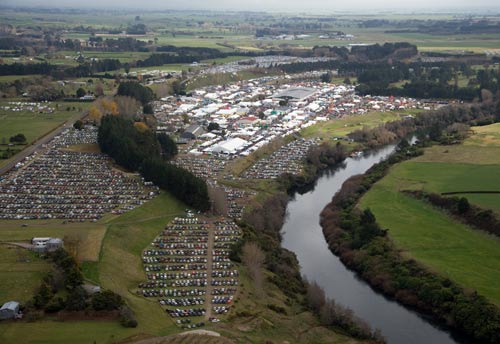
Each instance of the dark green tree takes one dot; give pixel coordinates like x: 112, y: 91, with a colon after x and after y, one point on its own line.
x: 80, y: 92
x: 168, y: 146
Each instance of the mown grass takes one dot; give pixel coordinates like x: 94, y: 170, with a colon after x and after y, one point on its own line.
x: 51, y: 331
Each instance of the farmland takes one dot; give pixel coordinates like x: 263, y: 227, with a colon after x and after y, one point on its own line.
x: 467, y: 256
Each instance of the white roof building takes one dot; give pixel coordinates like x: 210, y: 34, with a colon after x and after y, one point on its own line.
x: 231, y: 146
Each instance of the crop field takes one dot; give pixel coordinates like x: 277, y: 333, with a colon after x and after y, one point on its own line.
x: 467, y: 256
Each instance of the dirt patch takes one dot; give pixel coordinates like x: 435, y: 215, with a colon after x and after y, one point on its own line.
x: 88, y: 315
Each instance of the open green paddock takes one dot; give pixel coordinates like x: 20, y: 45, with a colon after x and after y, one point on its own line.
x: 349, y: 123
x: 34, y: 125
x: 20, y: 272
x: 467, y: 256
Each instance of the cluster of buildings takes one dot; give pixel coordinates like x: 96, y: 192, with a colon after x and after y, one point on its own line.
x: 72, y: 185
x: 189, y: 271
x: 250, y: 114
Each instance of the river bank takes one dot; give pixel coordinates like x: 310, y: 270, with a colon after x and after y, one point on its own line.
x: 364, y: 247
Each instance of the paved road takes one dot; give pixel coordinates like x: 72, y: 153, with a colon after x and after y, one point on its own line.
x: 37, y: 145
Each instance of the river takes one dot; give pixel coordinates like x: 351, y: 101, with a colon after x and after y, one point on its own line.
x: 303, y: 235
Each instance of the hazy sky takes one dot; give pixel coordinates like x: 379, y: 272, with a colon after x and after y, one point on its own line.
x: 272, y: 5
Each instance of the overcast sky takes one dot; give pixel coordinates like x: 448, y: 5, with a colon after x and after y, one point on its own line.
x: 263, y: 5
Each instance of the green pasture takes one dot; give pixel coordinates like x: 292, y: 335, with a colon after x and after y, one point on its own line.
x: 20, y: 272
x: 350, y: 123
x: 34, y: 125
x: 467, y: 256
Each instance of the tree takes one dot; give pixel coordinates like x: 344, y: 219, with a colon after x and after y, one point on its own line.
x: 95, y: 114
x: 218, y: 199
x: 315, y: 297
x: 80, y: 92
x: 178, y: 87
x: 106, y: 301
x: 76, y: 299
x: 463, y: 205
x: 168, y: 146
x: 78, y: 125
x: 326, y: 77
x: 127, y: 106
x: 141, y: 127
x: 43, y: 296
x: 19, y: 138
x: 213, y: 126
x: 99, y: 90
x: 253, y: 257
x: 135, y: 90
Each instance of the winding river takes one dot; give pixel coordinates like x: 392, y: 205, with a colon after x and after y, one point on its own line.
x: 303, y: 235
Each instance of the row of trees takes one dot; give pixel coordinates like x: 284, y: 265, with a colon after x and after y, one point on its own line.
x: 460, y: 207
x: 184, y: 185
x: 136, y: 147
x: 331, y: 313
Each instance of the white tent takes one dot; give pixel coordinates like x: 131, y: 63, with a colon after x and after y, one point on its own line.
x: 230, y: 146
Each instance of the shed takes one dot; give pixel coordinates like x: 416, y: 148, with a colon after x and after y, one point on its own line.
x: 193, y: 132
x: 9, y: 310
x: 54, y: 244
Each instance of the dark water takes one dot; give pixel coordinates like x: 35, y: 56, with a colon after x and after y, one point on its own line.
x: 302, y: 234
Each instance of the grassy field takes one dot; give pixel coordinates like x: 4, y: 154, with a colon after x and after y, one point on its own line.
x: 117, y: 266
x: 84, y: 239
x: 467, y: 256
x: 34, y: 125
x: 343, y: 126
x: 20, y: 273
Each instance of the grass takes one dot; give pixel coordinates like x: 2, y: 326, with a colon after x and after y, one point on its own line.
x: 50, y: 331
x: 125, y: 239
x: 343, y: 126
x: 251, y: 320
x: 469, y: 257
x: 118, y: 267
x: 84, y: 239
x: 465, y: 255
x: 20, y: 273
x: 35, y: 125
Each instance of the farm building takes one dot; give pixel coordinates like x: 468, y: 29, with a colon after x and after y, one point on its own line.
x: 43, y: 245
x: 295, y: 93
x: 9, y: 310
x: 193, y: 132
